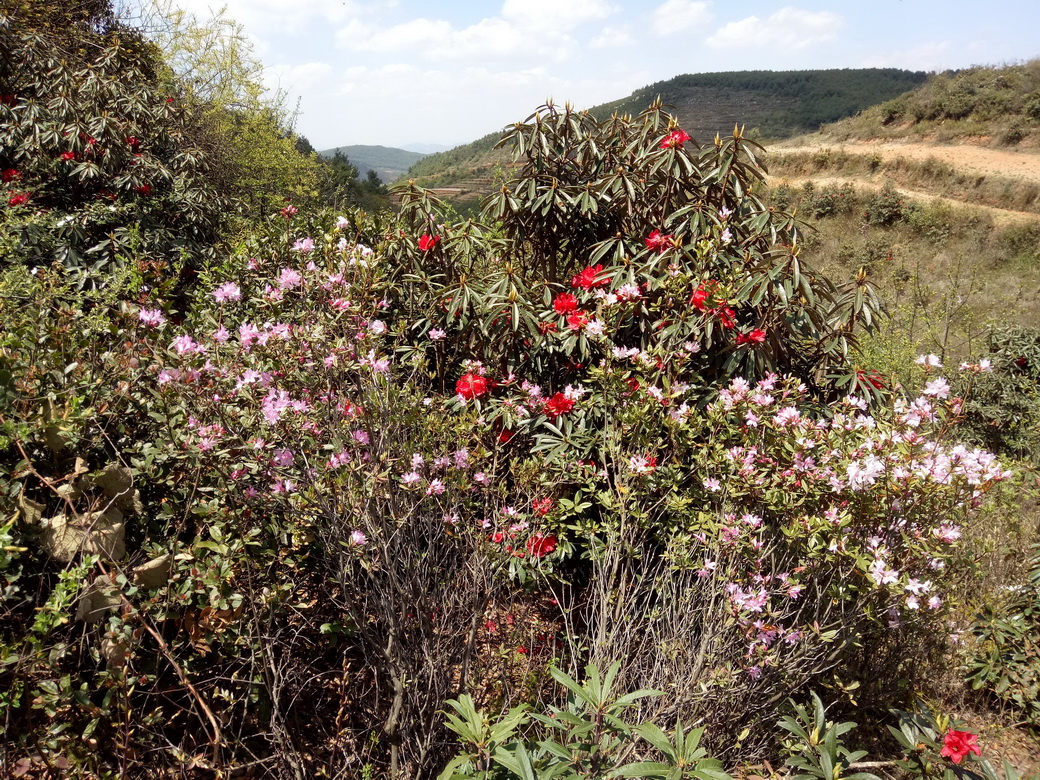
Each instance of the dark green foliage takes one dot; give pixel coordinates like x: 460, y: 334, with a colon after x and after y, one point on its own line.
x: 341, y: 186
x: 828, y: 201
x: 1002, y: 412
x: 1006, y: 665
x: 99, y: 150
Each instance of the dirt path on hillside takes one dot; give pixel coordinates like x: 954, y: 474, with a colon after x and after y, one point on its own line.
x: 1000, y: 217
x: 977, y: 160
x: 983, y: 160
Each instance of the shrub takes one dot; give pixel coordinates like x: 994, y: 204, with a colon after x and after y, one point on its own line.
x: 1005, y: 662
x: 885, y: 209
x: 98, y: 167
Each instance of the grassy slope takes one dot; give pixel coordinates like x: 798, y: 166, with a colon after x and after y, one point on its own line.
x: 998, y: 106
x: 966, y: 253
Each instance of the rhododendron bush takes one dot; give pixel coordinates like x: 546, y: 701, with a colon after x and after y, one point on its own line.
x: 615, y: 425
x: 723, y: 549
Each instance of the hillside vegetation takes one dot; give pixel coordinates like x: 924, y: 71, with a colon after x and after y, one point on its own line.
x: 990, y: 105
x: 769, y: 104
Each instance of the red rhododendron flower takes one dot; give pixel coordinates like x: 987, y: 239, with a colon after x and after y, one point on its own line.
x: 505, y: 437
x: 542, y: 506
x: 659, y: 242
x: 557, y: 405
x: 131, y: 141
x: 144, y: 189
x: 702, y: 295
x: 958, y: 744
x: 68, y: 155
x: 564, y: 303
x: 757, y: 336
x: 871, y: 377
x: 428, y: 242
x: 577, y: 320
x: 288, y: 211
x: 10, y: 174
x: 546, y: 327
x: 540, y: 545
x: 498, y: 537
x: 471, y: 386
x: 18, y: 199
x: 586, y: 280
x: 726, y: 315
x: 675, y: 139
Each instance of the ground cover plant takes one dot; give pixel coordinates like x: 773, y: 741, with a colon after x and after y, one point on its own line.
x: 594, y: 485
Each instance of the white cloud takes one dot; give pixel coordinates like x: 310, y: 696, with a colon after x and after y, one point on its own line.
x: 932, y: 55
x: 450, y: 104
x: 676, y: 16
x: 789, y: 28
x: 489, y: 40
x: 612, y: 38
x: 266, y: 16
x: 556, y: 15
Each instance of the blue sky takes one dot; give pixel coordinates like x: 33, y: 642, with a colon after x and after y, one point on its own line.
x: 397, y: 72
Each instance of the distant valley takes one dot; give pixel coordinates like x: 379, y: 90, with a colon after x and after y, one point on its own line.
x: 389, y: 163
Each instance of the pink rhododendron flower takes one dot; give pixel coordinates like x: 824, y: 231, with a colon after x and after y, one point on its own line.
x: 229, y: 291
x: 153, y: 318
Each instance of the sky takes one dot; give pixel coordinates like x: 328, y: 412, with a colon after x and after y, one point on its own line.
x: 402, y: 72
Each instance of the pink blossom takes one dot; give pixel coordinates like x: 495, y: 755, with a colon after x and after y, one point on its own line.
x: 153, y: 318
x: 304, y: 245
x: 358, y: 539
x: 289, y: 278
x: 229, y: 291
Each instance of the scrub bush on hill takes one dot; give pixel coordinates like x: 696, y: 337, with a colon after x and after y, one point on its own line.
x: 390, y: 462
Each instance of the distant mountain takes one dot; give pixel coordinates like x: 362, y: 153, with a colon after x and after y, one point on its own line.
x: 389, y: 164
x: 427, y: 148
x: 770, y: 104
